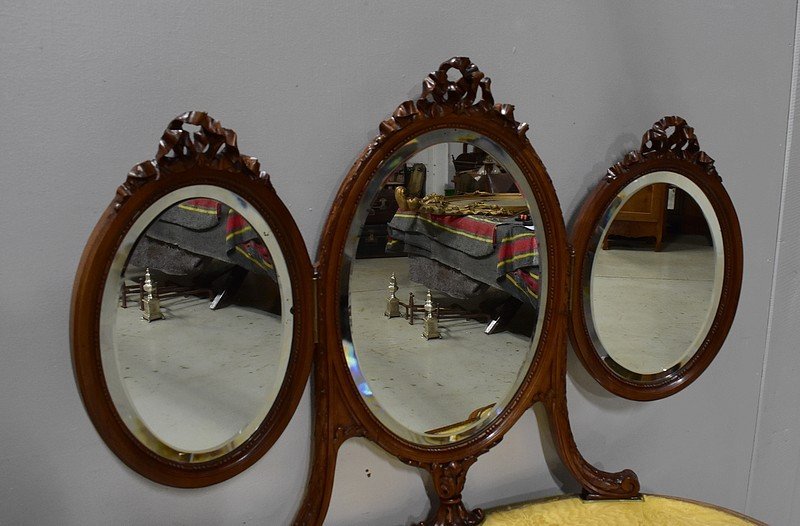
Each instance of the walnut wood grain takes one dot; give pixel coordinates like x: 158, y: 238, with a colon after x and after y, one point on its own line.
x: 465, y: 103
x: 208, y: 156
x: 670, y: 145
x: 596, y: 483
x: 449, y: 479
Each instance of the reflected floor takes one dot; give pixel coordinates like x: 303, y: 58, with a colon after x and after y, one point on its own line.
x: 426, y: 384
x: 199, y: 376
x: 649, y: 307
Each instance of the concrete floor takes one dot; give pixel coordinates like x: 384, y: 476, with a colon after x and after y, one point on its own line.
x: 426, y: 384
x: 649, y: 307
x: 198, y: 377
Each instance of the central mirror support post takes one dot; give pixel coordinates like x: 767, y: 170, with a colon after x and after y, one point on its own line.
x: 332, y: 425
x: 507, y: 231
x: 596, y: 484
x: 448, y: 479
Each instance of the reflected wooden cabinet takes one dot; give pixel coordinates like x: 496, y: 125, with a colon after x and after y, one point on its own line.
x: 374, y: 236
x: 642, y: 216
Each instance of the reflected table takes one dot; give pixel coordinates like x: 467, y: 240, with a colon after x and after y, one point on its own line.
x: 652, y: 510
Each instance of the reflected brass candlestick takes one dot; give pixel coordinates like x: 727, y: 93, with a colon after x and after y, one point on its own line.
x: 151, y: 306
x: 393, y: 304
x: 430, y: 327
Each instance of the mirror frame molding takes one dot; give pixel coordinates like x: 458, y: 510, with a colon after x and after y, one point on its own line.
x: 670, y: 145
x: 341, y: 413
x: 208, y: 156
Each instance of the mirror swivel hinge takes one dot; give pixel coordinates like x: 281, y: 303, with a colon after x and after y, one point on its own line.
x: 314, y: 285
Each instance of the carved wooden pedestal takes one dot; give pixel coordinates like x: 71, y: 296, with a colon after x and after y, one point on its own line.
x: 448, y: 480
x: 345, y: 405
x: 334, y: 423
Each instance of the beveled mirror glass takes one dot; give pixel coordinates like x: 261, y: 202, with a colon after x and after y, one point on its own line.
x: 192, y: 311
x: 196, y: 324
x: 450, y: 215
x: 658, y: 267
x: 655, y: 276
x: 430, y: 378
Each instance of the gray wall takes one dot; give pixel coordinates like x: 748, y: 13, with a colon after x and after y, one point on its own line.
x: 87, y: 90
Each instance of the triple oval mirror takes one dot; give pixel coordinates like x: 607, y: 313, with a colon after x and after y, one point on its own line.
x: 437, y: 312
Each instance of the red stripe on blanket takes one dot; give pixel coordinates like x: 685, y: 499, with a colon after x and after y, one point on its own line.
x: 522, y: 245
x: 207, y: 204
x: 530, y: 282
x: 239, y: 230
x: 466, y: 224
x: 258, y: 252
x: 235, y: 222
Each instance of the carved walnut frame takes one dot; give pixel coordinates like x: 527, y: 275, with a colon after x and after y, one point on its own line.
x: 670, y: 145
x: 208, y: 156
x: 341, y: 413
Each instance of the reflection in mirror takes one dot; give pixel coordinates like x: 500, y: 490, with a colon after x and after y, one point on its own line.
x: 201, y: 329
x: 656, y: 276
x: 444, y: 289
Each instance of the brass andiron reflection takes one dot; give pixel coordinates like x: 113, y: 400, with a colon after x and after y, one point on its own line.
x: 430, y: 327
x: 431, y: 314
x: 393, y: 304
x: 151, y: 306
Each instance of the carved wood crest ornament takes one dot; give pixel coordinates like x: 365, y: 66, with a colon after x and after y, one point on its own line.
x: 669, y: 138
x: 670, y: 145
x: 441, y: 96
x: 180, y: 150
x: 196, y: 151
x: 465, y: 102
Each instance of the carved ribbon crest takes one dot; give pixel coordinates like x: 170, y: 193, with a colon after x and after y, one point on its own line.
x: 671, y: 137
x: 179, y: 149
x: 441, y: 96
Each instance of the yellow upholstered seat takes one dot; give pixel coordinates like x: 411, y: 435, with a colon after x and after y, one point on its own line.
x: 652, y: 510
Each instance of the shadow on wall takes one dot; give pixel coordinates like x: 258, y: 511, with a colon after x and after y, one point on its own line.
x: 622, y: 144
x: 580, y: 377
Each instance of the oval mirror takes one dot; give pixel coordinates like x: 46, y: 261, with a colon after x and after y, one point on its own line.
x: 185, y: 312
x: 444, y: 286
x: 196, y: 324
x: 444, y: 260
x: 658, y: 251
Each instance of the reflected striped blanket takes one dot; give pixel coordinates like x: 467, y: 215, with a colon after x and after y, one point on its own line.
x: 209, y: 228
x: 500, y: 252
